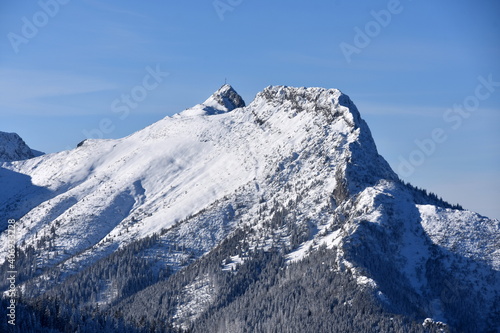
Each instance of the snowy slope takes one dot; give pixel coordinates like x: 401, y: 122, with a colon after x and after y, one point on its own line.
x: 168, y: 171
x: 297, y: 169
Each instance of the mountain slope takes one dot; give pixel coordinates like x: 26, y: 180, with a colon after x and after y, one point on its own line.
x: 13, y: 148
x: 224, y: 191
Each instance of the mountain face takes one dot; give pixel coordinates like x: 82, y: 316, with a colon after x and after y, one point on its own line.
x: 279, y: 216
x: 13, y: 148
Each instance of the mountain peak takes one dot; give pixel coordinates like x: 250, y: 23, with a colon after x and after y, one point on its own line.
x: 331, y: 103
x: 225, y: 99
x: 13, y: 148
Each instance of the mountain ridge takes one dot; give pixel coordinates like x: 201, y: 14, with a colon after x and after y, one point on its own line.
x: 293, y: 173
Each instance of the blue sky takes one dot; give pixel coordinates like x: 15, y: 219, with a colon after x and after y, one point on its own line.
x: 415, y: 69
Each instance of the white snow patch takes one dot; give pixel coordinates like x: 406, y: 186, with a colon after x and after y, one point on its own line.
x: 195, y: 298
x: 233, y: 263
x: 331, y: 240
x: 463, y: 232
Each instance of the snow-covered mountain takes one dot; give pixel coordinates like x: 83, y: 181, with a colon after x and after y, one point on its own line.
x: 199, y: 198
x: 13, y: 148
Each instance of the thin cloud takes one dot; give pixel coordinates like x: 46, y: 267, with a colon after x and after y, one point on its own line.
x: 24, y: 91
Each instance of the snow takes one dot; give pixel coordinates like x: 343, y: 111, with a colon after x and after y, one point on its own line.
x: 331, y: 240
x: 233, y: 263
x: 13, y: 148
x: 363, y: 280
x: 219, y: 166
x: 223, y: 100
x: 195, y: 298
x: 463, y: 232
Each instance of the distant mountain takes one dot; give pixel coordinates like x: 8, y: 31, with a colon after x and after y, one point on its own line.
x: 13, y: 148
x: 279, y: 216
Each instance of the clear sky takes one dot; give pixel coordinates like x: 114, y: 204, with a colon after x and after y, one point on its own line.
x: 424, y: 74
